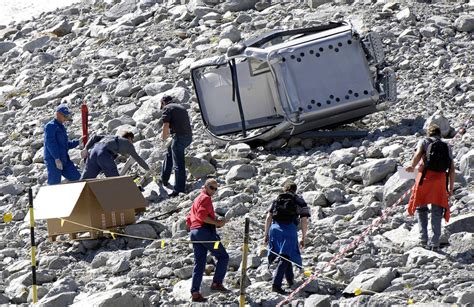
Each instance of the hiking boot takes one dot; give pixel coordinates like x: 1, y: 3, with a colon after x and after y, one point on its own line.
x: 291, y: 283
x: 435, y: 248
x: 173, y: 194
x: 424, y: 244
x: 218, y: 287
x: 197, y: 297
x: 278, y: 290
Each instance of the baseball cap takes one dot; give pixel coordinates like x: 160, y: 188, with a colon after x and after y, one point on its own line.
x: 63, y: 109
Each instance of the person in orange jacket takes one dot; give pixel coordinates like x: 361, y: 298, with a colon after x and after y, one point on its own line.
x: 431, y: 187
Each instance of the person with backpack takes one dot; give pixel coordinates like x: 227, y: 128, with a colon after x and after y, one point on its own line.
x: 281, y: 234
x: 433, y: 185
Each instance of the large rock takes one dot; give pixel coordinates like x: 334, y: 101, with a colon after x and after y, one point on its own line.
x: 240, y: 150
x: 342, y: 156
x: 239, y: 5
x: 148, y: 111
x: 318, y: 300
x: 395, y: 187
x: 439, y: 119
x: 120, y: 9
x: 230, y: 32
x: 464, y: 23
x: 6, y: 46
x: 124, y: 89
x: 373, y: 171
x: 327, y: 182
x: 8, y: 188
x: 141, y: 230
x: 403, y: 236
x: 59, y: 300
x: 155, y: 88
x: 199, y: 168
x: 375, y: 280
x: 61, y: 29
x: 315, y: 198
x: 56, y: 93
x: 461, y: 223
x: 461, y: 242
x: 419, y: 256
x: 181, y: 288
x: 115, y: 297
x: 38, y: 43
x: 466, y: 165
x: 238, y: 172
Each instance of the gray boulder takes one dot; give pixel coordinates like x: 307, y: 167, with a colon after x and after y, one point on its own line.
x: 181, y: 288
x: 466, y: 165
x: 155, y: 88
x: 240, y: 150
x: 318, y: 300
x: 184, y: 272
x: 439, y: 119
x: 239, y: 172
x: 461, y: 242
x: 419, y: 256
x: 6, y: 46
x: 375, y: 280
x: 37, y: 44
x: 327, y: 182
x: 461, y: 223
x: 395, y: 187
x: 120, y: 9
x: 148, y: 111
x: 115, y: 297
x: 315, y: 198
x: 8, y: 188
x: 61, y: 29
x: 230, y: 32
x: 373, y: 171
x: 342, y: 156
x: 124, y: 89
x: 56, y: 93
x: 59, y: 300
x: 199, y: 168
x: 464, y: 23
x: 141, y: 230
x: 239, y: 5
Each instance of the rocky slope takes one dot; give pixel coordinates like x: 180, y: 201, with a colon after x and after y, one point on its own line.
x: 121, y: 58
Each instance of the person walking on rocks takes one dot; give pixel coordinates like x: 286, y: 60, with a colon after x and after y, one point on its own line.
x: 56, y: 147
x: 176, y: 124
x: 433, y: 185
x: 281, y: 233
x: 104, y: 150
x: 202, y: 223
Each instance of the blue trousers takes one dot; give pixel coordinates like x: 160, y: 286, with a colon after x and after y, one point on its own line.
x: 436, y: 217
x: 284, y: 269
x: 175, y: 159
x: 100, y: 160
x: 200, y: 255
x: 69, y: 172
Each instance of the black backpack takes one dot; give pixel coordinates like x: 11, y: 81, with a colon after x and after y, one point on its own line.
x: 286, y: 208
x: 437, y: 158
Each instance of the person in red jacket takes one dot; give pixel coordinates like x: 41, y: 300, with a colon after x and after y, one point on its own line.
x: 202, y: 223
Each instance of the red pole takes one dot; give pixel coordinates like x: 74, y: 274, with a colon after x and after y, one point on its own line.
x: 85, y: 123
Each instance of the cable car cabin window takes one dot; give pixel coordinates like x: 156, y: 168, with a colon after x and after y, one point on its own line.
x: 258, y: 67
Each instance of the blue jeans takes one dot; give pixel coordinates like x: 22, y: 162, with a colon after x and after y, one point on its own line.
x: 436, y: 216
x: 200, y: 254
x: 175, y: 157
x: 100, y: 160
x: 69, y: 172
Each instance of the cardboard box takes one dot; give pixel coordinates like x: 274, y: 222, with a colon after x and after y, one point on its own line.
x: 100, y: 203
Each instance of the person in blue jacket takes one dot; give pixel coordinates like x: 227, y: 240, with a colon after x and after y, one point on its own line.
x: 56, y: 146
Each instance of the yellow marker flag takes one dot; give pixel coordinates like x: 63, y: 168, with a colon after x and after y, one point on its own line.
x: 154, y: 178
x: 113, y: 235
x: 62, y: 222
x: 216, y: 245
x: 162, y: 243
x: 410, y: 301
x: 7, y: 217
x: 307, y: 273
x: 357, y: 291
x: 137, y: 180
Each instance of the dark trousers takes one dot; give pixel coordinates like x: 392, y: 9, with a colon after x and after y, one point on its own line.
x: 436, y: 217
x: 100, y: 160
x: 284, y: 269
x: 69, y: 172
x: 200, y: 255
x: 175, y: 159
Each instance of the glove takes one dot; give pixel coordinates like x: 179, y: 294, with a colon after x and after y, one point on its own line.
x: 59, y: 164
x: 84, y: 153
